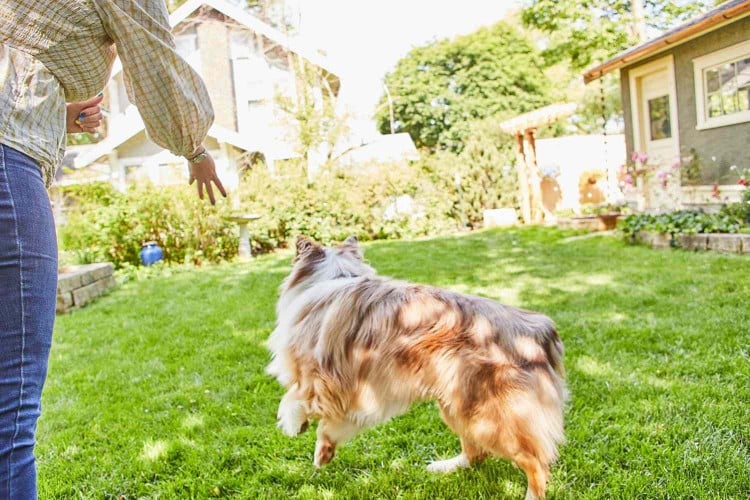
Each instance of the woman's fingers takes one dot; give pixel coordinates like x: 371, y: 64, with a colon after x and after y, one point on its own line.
x: 92, y: 118
x: 211, y: 193
x: 219, y: 185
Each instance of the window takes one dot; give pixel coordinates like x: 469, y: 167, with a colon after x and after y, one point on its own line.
x: 727, y: 88
x: 658, y: 118
x: 722, y: 87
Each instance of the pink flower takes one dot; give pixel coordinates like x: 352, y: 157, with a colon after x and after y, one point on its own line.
x: 635, y: 156
x: 643, y: 157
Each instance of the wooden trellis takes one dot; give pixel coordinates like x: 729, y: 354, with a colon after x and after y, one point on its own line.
x: 523, y: 128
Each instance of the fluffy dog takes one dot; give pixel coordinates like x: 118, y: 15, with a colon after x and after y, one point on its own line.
x: 354, y: 349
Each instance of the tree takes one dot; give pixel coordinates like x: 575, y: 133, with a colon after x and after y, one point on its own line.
x: 582, y: 32
x: 437, y: 90
x: 577, y: 34
x: 313, y: 122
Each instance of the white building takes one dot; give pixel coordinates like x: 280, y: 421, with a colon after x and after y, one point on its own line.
x: 244, y: 63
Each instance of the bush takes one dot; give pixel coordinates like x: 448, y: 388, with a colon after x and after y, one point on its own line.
x: 483, y: 170
x: 681, y: 221
x: 187, y: 229
x: 739, y: 211
x: 375, y: 202
x: 341, y: 203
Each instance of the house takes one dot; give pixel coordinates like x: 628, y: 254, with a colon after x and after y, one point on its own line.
x: 686, y: 101
x: 244, y: 63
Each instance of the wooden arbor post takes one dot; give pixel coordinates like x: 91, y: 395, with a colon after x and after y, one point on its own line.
x: 535, y: 178
x: 523, y: 181
x: 523, y: 128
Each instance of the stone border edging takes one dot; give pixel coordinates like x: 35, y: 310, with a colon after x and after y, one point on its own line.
x: 717, y: 242
x: 79, y: 285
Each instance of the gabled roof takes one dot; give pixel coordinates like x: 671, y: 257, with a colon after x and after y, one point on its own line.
x: 245, y: 19
x: 711, y: 20
x: 250, y: 21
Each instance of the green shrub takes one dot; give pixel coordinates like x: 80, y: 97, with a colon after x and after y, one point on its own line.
x: 187, y: 229
x: 374, y: 202
x: 479, y: 178
x: 341, y: 203
x: 681, y: 221
x: 739, y: 211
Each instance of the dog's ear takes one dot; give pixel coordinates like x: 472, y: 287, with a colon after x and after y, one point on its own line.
x: 351, y: 245
x: 304, y: 245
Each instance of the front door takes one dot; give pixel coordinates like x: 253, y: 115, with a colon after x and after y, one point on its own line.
x: 656, y: 131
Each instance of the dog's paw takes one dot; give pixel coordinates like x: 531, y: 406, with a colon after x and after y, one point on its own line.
x: 324, y: 453
x: 445, y: 466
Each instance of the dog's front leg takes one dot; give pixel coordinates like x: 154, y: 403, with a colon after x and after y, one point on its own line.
x: 292, y: 417
x: 331, y: 434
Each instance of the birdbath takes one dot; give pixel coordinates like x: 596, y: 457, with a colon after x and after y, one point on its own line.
x: 245, y: 251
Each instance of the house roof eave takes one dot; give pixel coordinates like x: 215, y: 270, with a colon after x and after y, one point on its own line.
x: 711, y: 20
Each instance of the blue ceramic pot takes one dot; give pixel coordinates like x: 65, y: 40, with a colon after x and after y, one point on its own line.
x: 151, y: 253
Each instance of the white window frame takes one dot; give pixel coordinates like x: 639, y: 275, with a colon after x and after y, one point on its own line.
x: 700, y: 64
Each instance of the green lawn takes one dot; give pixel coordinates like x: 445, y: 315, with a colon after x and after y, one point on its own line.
x: 158, y: 390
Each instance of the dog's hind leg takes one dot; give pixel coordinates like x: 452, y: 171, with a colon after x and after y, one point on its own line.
x: 470, y: 453
x: 330, y: 434
x: 537, y: 474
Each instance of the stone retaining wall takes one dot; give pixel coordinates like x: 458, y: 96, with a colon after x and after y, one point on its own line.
x: 718, y: 242
x: 589, y: 223
x: 79, y: 285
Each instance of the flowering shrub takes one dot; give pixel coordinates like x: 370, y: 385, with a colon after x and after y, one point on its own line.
x: 655, y: 186
x: 640, y: 168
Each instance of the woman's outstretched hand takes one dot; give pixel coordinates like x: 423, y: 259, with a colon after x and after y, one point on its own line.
x: 205, y: 173
x: 84, y: 116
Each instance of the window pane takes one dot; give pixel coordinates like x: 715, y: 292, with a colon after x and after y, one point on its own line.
x: 658, y: 115
x: 714, y: 105
x: 743, y: 81
x: 726, y: 72
x: 743, y: 98
x: 712, y: 80
x: 729, y: 102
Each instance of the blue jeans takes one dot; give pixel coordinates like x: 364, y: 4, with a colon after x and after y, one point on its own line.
x: 28, y: 283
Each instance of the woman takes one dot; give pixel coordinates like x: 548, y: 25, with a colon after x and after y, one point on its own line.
x: 53, y: 52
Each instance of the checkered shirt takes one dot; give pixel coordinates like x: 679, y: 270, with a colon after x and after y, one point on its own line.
x: 58, y: 51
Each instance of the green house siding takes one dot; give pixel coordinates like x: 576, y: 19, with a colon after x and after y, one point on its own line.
x: 718, y: 148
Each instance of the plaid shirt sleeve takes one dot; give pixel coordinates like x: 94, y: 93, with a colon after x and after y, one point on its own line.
x: 170, y: 96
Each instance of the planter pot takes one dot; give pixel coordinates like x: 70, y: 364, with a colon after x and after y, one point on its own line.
x: 607, y: 222
x: 151, y: 253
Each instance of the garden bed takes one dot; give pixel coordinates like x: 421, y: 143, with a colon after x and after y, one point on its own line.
x: 79, y: 285
x: 718, y: 242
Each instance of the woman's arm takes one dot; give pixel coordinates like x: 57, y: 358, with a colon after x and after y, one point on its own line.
x: 170, y: 95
